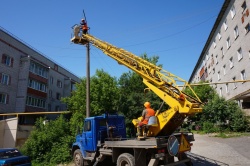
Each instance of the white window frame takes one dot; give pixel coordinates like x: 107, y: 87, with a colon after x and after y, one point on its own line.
x: 38, y: 69
x: 219, y: 35
x: 222, y: 52
x: 231, y: 64
x: 225, y: 24
x: 236, y: 32
x: 227, y: 89
x: 214, y: 43
x: 59, y: 83
x: 51, y: 80
x: 3, y: 98
x: 243, y: 6
x: 5, y: 80
x: 224, y: 69
x: 216, y: 59
x: 239, y: 54
x: 8, y: 60
x: 218, y: 75
x: 221, y: 91
x: 35, y: 102
x: 235, y: 84
x: 243, y: 75
x: 247, y: 28
x: 232, y: 11
x: 228, y: 43
x: 58, y: 96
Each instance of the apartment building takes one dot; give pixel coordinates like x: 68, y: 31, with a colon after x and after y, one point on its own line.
x: 226, y: 54
x: 29, y: 81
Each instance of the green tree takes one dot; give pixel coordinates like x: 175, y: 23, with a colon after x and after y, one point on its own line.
x: 104, y: 93
x: 132, y: 96
x: 204, y: 91
x: 217, y: 111
x: 49, y: 143
x: 104, y: 96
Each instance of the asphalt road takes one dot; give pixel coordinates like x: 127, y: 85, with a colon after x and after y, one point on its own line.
x: 213, y: 151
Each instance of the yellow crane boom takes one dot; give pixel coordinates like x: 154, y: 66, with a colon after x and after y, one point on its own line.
x: 161, y: 82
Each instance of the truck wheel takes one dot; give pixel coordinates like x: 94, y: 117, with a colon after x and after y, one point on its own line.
x: 78, y: 159
x: 126, y: 159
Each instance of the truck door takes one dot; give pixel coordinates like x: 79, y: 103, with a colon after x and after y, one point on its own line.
x: 87, y: 136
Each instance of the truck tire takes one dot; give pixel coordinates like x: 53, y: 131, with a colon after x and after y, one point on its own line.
x: 78, y: 159
x: 126, y: 159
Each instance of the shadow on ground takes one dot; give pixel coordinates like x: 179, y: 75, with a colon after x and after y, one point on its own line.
x: 198, y: 160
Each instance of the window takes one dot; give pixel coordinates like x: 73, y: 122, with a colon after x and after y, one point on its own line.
x: 236, y: 32
x: 50, y: 93
x: 3, y: 98
x: 213, y: 70
x: 56, y: 67
x: 5, y: 79
x: 222, y: 52
x: 234, y: 84
x: 244, y: 6
x: 224, y: 69
x: 233, y: 12
x: 51, y: 80
x: 87, y: 126
x: 218, y: 74
x: 247, y: 28
x: 214, y: 43
x: 225, y: 24
x: 49, y: 107
x: 216, y: 59
x: 219, y: 35
x: 35, y: 102
x: 7, y: 60
x: 59, y: 83
x: 207, y: 57
x: 37, y: 85
x: 58, y: 96
x: 231, y: 64
x: 243, y: 75
x: 57, y: 108
x: 228, y: 43
x: 239, y: 54
x: 227, y: 90
x: 221, y: 91
x: 38, y: 69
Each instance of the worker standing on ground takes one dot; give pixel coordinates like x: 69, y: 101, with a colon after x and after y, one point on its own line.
x: 84, y: 26
x: 146, y: 114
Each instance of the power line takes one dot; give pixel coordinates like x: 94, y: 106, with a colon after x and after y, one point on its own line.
x: 171, y: 35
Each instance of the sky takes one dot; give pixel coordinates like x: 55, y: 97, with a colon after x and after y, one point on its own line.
x: 174, y: 30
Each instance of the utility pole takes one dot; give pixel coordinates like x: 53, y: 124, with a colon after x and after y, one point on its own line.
x: 88, y: 82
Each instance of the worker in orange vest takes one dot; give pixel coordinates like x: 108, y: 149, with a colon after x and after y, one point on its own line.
x: 146, y: 114
x: 84, y: 26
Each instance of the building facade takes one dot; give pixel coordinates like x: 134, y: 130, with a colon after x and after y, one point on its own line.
x: 226, y: 54
x: 29, y: 81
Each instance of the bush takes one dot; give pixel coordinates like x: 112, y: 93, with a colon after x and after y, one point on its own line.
x: 209, y: 127
x: 50, y: 142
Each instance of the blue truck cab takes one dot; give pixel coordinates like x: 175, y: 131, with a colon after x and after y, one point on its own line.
x: 95, y: 130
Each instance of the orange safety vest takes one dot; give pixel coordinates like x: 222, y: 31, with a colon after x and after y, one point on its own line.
x: 85, y: 26
x: 150, y: 112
